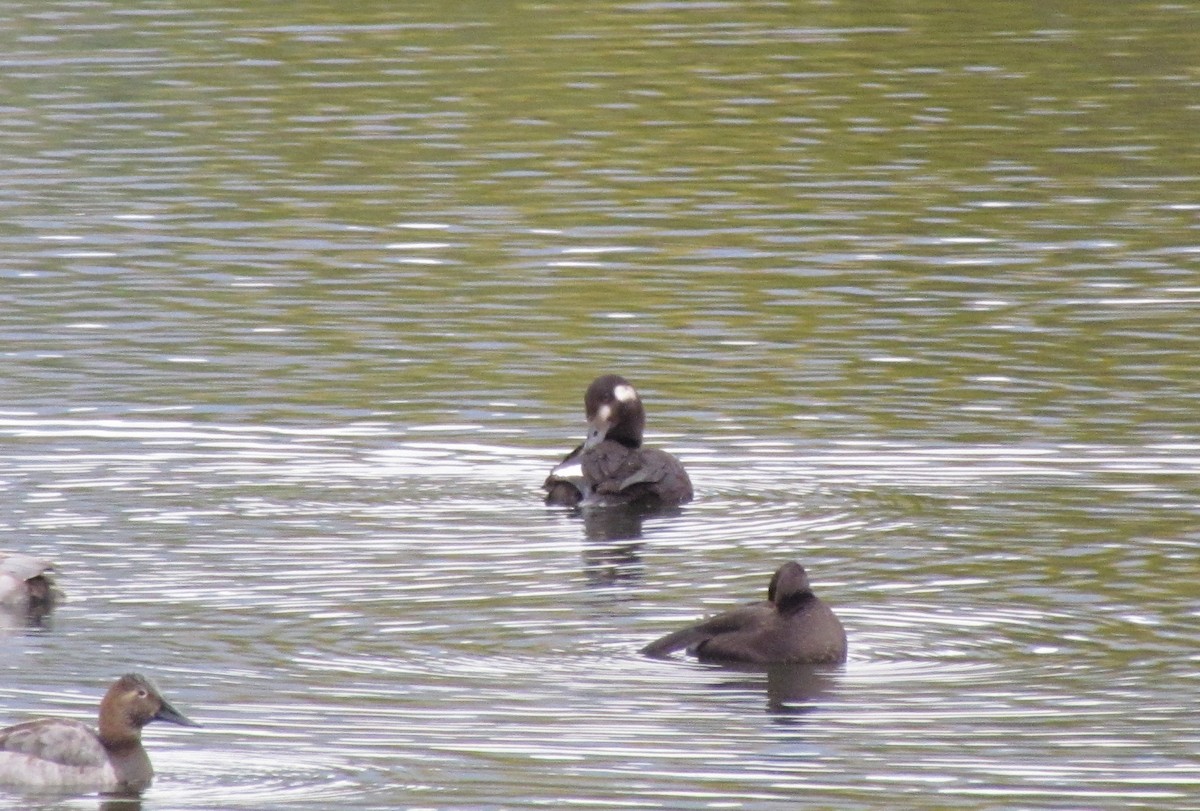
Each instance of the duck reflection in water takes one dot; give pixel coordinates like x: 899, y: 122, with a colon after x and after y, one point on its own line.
x: 788, y: 634
x: 121, y: 804
x: 791, y: 689
x: 28, y: 591
x: 613, y: 543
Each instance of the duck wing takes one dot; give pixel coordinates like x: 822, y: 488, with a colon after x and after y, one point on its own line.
x: 55, y: 740
x: 635, y: 474
x: 606, y: 465
x: 660, y: 473
x: 702, y: 635
x: 565, y: 485
x: 588, y: 472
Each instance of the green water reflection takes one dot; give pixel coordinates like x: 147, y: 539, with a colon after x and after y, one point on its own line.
x: 911, y: 287
x: 902, y: 219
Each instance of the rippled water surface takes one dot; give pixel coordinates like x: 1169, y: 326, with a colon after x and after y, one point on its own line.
x: 297, y: 310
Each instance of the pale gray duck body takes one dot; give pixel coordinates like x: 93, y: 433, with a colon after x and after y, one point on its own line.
x: 63, y: 755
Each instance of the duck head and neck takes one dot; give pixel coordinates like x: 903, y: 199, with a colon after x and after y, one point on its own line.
x: 614, y: 411
x: 132, y: 702
x: 789, y: 589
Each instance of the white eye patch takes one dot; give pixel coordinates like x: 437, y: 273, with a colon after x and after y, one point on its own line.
x: 604, y: 413
x: 625, y: 393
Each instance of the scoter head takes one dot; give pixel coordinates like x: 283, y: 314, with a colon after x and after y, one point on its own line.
x: 614, y: 411
x: 789, y: 582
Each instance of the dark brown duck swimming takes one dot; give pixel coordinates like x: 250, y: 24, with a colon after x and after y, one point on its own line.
x: 791, y: 626
x: 612, y: 466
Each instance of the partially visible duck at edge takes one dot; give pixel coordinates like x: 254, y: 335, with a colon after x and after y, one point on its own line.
x: 791, y: 626
x: 26, y: 583
x: 612, y: 466
x: 58, y: 754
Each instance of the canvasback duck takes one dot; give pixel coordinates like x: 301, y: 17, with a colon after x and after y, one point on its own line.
x: 26, y: 582
x: 611, y: 466
x: 791, y: 626
x: 58, y: 754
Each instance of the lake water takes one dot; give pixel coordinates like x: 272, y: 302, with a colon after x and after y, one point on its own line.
x: 297, y: 307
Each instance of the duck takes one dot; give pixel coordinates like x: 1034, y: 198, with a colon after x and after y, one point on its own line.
x: 59, y: 754
x: 26, y: 582
x: 791, y: 626
x: 611, y: 466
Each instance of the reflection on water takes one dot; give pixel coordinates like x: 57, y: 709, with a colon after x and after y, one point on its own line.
x: 296, y: 313
x: 790, y: 689
x: 606, y: 563
x: 120, y: 804
x: 612, y: 540
x: 20, y: 620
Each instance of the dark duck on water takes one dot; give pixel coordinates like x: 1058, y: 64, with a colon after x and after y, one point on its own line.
x: 792, y: 625
x: 612, y: 466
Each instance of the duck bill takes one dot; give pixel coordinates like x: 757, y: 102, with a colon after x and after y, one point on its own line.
x: 594, y: 438
x: 169, y: 713
x: 597, y: 430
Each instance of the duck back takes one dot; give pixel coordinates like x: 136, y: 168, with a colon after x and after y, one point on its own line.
x: 613, y: 473
x: 57, y: 754
x: 812, y: 635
